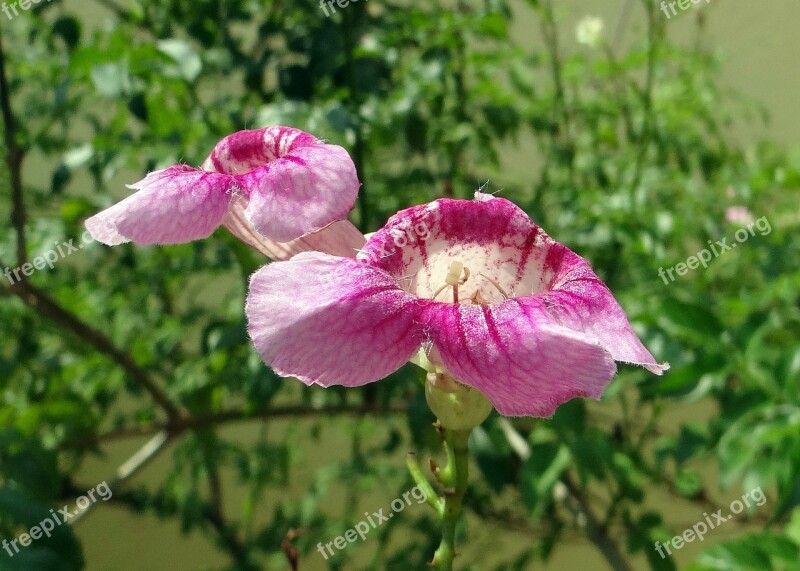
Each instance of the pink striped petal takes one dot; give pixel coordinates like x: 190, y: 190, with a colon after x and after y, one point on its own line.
x: 515, y: 355
x: 302, y: 192
x: 338, y: 238
x: 529, y: 324
x: 508, y: 256
x: 173, y: 205
x: 295, y: 183
x: 578, y: 299
x: 330, y: 321
x: 290, y: 184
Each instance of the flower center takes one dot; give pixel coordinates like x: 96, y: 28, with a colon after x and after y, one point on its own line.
x: 459, y: 275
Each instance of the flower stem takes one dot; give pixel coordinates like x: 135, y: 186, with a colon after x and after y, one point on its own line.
x: 454, y: 478
x: 423, y: 484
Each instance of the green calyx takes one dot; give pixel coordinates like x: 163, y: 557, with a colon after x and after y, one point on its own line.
x: 457, y: 406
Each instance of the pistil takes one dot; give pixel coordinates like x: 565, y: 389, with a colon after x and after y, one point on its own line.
x: 454, y: 279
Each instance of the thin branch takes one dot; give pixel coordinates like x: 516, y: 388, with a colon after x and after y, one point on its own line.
x: 622, y: 23
x: 46, y: 306
x: 232, y: 543
x: 215, y: 512
x: 550, y: 33
x: 574, y: 500
x: 595, y: 531
x: 289, y: 550
x: 14, y: 160
x: 131, y: 466
x: 646, y: 94
x: 37, y: 299
x: 197, y: 422
x: 350, y: 28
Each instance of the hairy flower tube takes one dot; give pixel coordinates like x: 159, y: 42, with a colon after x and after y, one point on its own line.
x: 269, y: 185
x: 495, y: 302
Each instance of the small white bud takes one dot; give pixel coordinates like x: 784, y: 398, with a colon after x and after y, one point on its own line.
x: 589, y: 31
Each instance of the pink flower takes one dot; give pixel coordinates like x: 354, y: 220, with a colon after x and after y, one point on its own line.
x: 738, y: 215
x: 273, y: 184
x: 496, y: 303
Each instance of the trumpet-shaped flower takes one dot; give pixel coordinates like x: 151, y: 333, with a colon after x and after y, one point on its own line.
x: 497, y: 304
x: 272, y: 184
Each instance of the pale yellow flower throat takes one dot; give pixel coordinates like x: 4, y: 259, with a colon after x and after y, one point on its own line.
x: 457, y: 275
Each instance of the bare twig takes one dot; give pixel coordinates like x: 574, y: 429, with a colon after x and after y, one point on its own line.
x: 215, y: 512
x: 550, y: 34
x: 622, y: 23
x: 291, y: 552
x: 131, y: 466
x: 646, y: 94
x: 232, y: 543
x: 38, y: 300
x: 14, y: 159
x: 196, y: 422
x: 595, y: 531
x: 46, y: 306
x: 574, y: 500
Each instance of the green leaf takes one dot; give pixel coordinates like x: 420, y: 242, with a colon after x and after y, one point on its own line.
x: 60, y: 551
x: 539, y: 475
x: 495, y: 459
x: 188, y: 64
x: 111, y: 79
x: 69, y: 29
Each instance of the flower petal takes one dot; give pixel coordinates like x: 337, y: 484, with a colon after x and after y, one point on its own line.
x: 581, y: 301
x: 338, y: 238
x: 492, y: 237
x: 173, y: 205
x: 330, y: 320
x: 514, y: 354
x: 314, y: 185
x: 249, y: 149
x: 508, y: 256
x: 294, y: 183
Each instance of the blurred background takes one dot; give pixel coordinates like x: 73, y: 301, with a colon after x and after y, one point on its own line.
x: 631, y: 134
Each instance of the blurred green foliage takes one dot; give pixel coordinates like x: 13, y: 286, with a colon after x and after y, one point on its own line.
x: 627, y: 161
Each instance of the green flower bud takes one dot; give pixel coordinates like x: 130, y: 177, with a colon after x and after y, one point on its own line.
x: 457, y: 406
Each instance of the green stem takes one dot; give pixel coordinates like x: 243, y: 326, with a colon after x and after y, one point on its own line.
x: 423, y: 484
x: 454, y: 478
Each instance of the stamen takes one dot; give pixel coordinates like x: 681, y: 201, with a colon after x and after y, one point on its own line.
x: 439, y: 290
x: 496, y: 285
x: 409, y: 277
x: 477, y: 298
x: 454, y: 279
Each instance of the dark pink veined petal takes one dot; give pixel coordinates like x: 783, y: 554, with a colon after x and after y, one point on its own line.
x: 173, y: 205
x: 290, y: 183
x: 579, y: 300
x: 514, y: 354
x: 493, y: 238
x: 508, y: 256
x: 247, y: 150
x: 294, y: 183
x: 340, y: 238
x: 306, y: 190
x: 330, y: 321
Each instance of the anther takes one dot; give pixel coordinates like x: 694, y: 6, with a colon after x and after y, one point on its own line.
x: 454, y: 274
x: 454, y: 279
